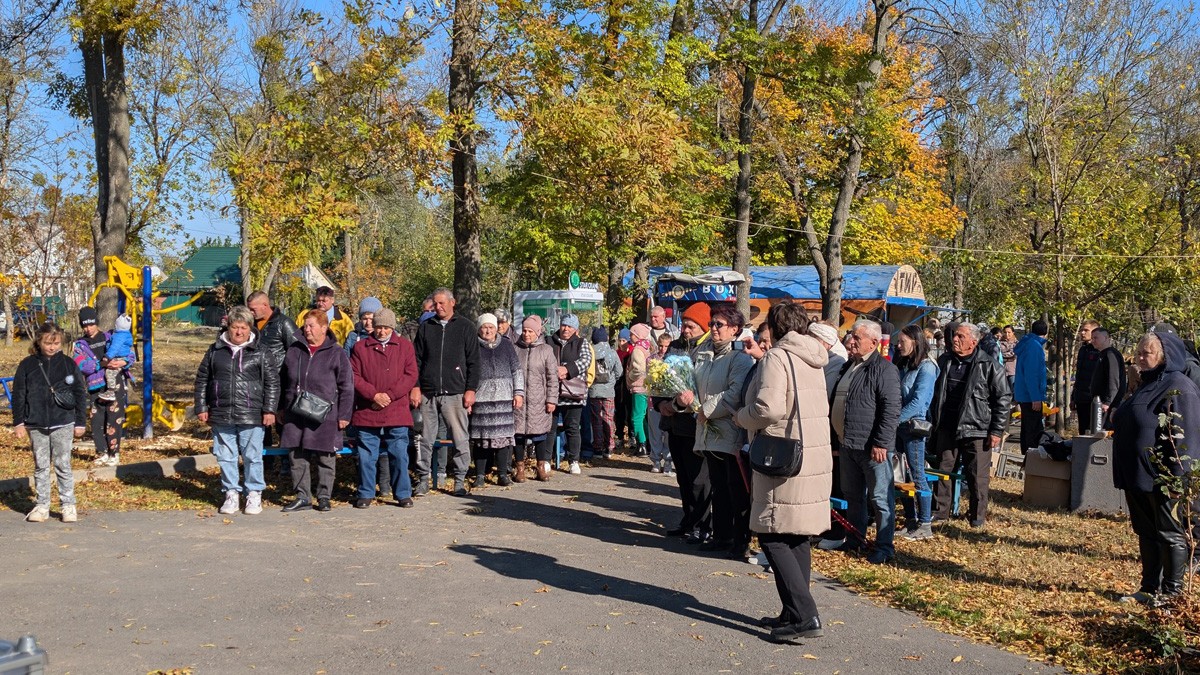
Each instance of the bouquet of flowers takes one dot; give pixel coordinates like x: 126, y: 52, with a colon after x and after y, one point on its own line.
x: 671, y: 376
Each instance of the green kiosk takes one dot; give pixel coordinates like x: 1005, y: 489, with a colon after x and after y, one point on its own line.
x: 582, y: 299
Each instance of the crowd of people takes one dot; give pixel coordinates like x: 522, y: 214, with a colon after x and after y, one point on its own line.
x: 870, y: 411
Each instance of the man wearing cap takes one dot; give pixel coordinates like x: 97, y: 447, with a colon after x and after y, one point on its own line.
x: 691, y: 471
x: 365, y: 325
x: 108, y: 421
x: 828, y: 337
x: 602, y: 394
x: 447, y: 351
x: 574, y: 356
x: 385, y: 372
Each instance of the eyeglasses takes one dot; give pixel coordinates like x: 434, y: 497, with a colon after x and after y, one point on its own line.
x: 717, y: 324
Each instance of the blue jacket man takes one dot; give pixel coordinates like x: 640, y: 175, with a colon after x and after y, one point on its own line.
x: 1029, y: 387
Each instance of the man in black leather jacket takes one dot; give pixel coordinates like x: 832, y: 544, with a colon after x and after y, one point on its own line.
x: 276, y: 332
x: 969, y: 414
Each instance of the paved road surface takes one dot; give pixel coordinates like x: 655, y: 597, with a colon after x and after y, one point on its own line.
x: 572, y: 575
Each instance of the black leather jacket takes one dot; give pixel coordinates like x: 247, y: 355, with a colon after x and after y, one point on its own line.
x: 237, y: 389
x: 987, y: 397
x: 278, y: 334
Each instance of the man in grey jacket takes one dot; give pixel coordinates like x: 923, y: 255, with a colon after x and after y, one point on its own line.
x: 969, y: 413
x: 864, y: 412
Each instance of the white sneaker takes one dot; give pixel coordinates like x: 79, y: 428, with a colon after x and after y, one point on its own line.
x: 113, y: 460
x: 231, y: 503
x: 575, y: 468
x: 253, y: 504
x: 669, y: 472
x: 69, y: 514
x: 102, y: 460
x: 830, y: 544
x: 654, y: 466
x: 39, y: 514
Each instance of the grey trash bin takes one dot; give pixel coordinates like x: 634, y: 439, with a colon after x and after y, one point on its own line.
x: 22, y: 657
x: 1091, y: 476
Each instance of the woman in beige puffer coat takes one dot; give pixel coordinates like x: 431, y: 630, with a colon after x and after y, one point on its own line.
x: 786, y: 399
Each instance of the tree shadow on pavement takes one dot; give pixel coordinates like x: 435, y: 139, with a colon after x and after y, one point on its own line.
x: 658, y: 489
x: 517, y: 564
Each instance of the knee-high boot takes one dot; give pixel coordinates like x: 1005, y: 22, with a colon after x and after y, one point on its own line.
x: 503, y: 461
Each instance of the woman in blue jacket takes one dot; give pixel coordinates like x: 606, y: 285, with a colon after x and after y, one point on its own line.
x: 918, y: 374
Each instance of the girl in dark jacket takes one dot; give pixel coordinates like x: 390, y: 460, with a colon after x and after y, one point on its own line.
x: 237, y: 393
x: 49, y: 405
x: 317, y: 365
x: 1143, y: 449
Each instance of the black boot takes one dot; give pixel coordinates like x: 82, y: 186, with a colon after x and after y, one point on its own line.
x: 503, y: 462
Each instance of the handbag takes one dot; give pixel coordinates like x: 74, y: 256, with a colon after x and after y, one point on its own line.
x: 308, y: 406
x: 917, y: 428
x: 775, y: 456
x: 63, y: 399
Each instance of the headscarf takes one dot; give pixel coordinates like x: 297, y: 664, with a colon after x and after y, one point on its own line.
x: 639, y: 336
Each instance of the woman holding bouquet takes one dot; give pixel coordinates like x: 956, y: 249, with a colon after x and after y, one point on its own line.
x: 678, y: 417
x: 720, y: 375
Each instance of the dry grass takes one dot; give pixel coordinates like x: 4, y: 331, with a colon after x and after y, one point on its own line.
x: 1035, y: 581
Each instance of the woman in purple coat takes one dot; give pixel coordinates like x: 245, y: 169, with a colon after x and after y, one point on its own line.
x: 319, y: 366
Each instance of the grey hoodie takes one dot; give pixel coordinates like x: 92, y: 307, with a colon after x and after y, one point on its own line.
x: 608, y: 355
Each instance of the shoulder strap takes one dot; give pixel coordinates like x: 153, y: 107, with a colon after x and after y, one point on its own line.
x: 795, y: 395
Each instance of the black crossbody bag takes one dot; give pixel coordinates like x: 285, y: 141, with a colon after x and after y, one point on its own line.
x: 307, y: 405
x: 779, y: 457
x: 63, y: 399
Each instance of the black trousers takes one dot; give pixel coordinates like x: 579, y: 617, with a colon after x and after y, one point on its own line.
x: 302, y: 476
x: 1084, y: 410
x: 1161, y: 542
x: 791, y: 560
x: 695, y: 488
x: 572, y: 418
x: 1032, y: 425
x: 977, y: 474
x: 730, y: 500
x: 622, y: 407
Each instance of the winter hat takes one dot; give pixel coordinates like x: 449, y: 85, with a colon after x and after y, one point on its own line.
x: 87, y: 316
x: 425, y: 316
x: 369, y: 305
x: 124, y: 322
x: 599, y: 335
x: 699, y: 313
x: 623, y: 335
x: 823, y: 332
x: 385, y: 318
x: 485, y: 319
x: 534, y: 323
x: 570, y: 320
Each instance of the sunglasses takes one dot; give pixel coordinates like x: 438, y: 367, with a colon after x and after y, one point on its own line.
x: 717, y: 324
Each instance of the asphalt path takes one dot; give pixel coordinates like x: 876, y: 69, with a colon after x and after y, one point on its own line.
x: 571, y: 575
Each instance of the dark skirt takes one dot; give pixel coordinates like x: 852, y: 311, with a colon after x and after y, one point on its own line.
x: 492, y: 423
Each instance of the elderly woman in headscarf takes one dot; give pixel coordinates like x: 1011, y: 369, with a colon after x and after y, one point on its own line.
x: 501, y: 391
x: 534, y: 421
x: 1153, y: 430
x: 642, y: 348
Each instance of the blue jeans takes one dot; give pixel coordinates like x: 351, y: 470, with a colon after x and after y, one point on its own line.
x: 394, y: 442
x: 914, y: 455
x: 863, y: 480
x: 233, y: 440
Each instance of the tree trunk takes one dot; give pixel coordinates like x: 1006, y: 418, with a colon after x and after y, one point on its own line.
x: 829, y: 270
x: 741, y: 254
x: 10, y: 321
x: 614, y: 293
x: 244, y: 257
x: 348, y: 258
x: 641, y: 287
x: 468, y: 256
x: 108, y: 101
x: 269, y: 280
